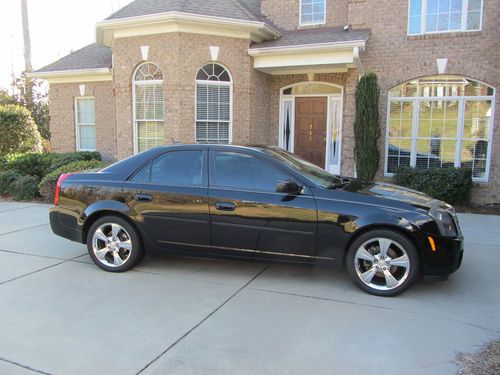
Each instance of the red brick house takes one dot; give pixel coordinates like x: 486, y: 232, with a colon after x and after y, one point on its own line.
x: 284, y: 72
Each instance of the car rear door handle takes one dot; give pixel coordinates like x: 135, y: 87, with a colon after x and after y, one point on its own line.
x: 143, y: 198
x: 225, y: 206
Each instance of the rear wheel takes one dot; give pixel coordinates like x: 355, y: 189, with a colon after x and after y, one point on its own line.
x: 383, y: 262
x: 114, y: 244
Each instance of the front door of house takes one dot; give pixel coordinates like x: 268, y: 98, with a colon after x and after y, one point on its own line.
x: 310, y: 129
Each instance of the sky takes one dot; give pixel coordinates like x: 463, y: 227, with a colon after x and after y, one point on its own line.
x: 57, y: 27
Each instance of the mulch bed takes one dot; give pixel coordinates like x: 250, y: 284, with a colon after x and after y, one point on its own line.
x: 482, y: 210
x: 484, y: 362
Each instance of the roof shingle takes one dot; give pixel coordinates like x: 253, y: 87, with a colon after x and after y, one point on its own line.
x: 315, y: 36
x: 92, y: 56
x: 217, y: 8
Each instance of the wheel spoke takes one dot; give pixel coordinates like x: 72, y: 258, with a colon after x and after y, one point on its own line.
x: 127, y: 245
x: 365, y: 254
x: 368, y: 275
x: 390, y: 280
x: 384, y: 244
x: 402, y: 261
x: 100, y: 235
x: 117, y: 260
x: 115, y: 229
x: 101, y: 254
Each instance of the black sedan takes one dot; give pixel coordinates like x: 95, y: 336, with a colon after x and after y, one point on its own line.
x: 256, y: 203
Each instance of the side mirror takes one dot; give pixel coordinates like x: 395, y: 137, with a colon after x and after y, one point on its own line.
x: 288, y: 187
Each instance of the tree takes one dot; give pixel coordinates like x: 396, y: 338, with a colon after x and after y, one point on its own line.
x: 367, y: 127
x: 18, y: 132
x: 27, y: 47
x: 36, y: 102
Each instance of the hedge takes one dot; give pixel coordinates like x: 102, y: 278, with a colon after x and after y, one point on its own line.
x: 452, y: 185
x: 48, y: 184
x: 24, y: 188
x: 40, y: 164
x: 6, y: 179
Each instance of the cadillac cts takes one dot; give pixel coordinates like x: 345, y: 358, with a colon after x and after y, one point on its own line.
x: 256, y: 203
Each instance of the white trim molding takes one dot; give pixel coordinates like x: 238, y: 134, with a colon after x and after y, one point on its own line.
x: 75, y: 76
x: 145, y: 53
x: 168, y: 22
x: 334, y: 57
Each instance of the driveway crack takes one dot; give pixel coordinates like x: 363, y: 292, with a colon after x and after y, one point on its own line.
x: 25, y: 367
x: 204, y: 319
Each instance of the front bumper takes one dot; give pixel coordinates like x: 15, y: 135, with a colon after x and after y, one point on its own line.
x: 445, y: 259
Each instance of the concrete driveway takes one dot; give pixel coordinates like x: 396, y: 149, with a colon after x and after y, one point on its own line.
x: 60, y: 314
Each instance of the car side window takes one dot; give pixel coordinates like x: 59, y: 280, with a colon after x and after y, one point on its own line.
x: 243, y: 171
x: 175, y: 168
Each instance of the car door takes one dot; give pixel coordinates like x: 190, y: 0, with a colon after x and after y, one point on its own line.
x: 248, y: 216
x: 169, y: 196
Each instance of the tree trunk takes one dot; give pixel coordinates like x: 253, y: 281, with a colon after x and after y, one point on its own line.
x: 28, y: 94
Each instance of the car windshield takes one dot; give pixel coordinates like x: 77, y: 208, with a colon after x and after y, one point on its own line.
x: 314, y: 173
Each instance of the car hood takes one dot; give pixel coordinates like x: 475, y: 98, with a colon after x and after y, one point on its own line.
x: 393, y: 192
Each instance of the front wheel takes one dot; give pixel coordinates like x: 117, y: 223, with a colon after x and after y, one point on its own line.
x: 114, y: 244
x: 383, y: 262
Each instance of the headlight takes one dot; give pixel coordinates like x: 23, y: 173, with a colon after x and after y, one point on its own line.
x: 444, y: 222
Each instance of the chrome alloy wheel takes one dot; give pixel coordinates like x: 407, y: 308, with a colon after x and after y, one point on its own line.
x: 382, y: 264
x: 111, y: 245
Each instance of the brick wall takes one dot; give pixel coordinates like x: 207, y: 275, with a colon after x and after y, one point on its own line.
x: 62, y: 116
x: 285, y: 13
x: 397, y: 58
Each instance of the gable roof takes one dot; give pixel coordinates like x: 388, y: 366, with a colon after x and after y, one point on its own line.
x: 89, y: 57
x: 236, y: 9
x: 314, y: 36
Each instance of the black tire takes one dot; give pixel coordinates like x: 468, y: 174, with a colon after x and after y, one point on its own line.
x: 131, y: 258
x: 406, y: 277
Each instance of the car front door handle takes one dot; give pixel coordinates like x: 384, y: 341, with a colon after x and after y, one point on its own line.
x: 143, y: 198
x: 225, y: 206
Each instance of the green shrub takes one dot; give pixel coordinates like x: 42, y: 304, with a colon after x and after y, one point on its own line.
x: 40, y: 164
x: 31, y: 164
x: 367, y: 127
x: 452, y: 185
x: 18, y: 131
x: 48, y: 184
x: 6, y: 179
x: 60, y: 160
x: 24, y: 188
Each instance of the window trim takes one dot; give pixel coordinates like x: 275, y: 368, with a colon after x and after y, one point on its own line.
x: 77, y: 125
x: 463, y: 23
x: 301, y: 24
x: 135, y: 129
x: 460, y: 127
x: 214, y: 83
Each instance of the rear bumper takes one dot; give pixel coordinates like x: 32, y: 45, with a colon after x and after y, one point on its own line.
x: 65, y: 225
x: 446, y: 259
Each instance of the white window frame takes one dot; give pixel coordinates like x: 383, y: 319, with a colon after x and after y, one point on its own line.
x: 301, y: 24
x: 460, y: 128
x: 214, y: 83
x: 77, y: 124
x: 463, y: 23
x: 134, y: 110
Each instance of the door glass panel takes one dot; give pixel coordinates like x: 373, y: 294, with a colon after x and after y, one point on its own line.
x: 246, y: 172
x: 178, y: 168
x: 335, y: 135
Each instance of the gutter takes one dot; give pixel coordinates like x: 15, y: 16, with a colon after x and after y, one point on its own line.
x: 307, y: 48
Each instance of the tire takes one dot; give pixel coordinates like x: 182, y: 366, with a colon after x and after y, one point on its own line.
x: 371, y: 262
x: 114, y: 244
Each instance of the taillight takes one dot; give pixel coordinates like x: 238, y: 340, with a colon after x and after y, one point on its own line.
x: 58, y: 187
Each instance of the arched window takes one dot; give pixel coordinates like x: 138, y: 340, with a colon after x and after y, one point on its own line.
x: 440, y: 122
x: 149, y: 107
x: 213, y: 104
